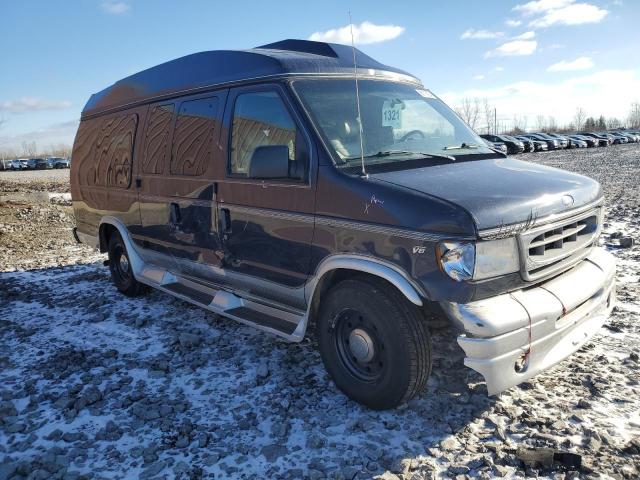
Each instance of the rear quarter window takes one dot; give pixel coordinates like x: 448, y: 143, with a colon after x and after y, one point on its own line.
x: 103, y: 150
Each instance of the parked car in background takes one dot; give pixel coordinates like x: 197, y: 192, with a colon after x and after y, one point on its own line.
x: 43, y: 163
x: 590, y: 141
x: 499, y: 146
x: 616, y: 140
x: 563, y: 142
x: 552, y: 143
x: 603, y: 140
x: 18, y: 164
x: 59, y: 162
x: 576, y: 143
x: 536, y: 145
x: 631, y: 138
x: 513, y: 144
x: 529, y: 145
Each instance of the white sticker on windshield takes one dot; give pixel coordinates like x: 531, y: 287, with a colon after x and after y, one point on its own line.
x: 425, y: 93
x: 392, y: 114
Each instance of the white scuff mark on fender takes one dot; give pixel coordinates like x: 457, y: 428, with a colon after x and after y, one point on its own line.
x: 372, y: 201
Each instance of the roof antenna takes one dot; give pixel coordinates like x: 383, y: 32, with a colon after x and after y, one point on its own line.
x: 355, y: 72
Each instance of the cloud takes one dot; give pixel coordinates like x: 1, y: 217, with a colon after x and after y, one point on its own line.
x: 497, y: 69
x: 525, y: 36
x: 478, y: 77
x: 63, y: 132
x: 561, y: 12
x: 512, y: 23
x: 582, y: 63
x: 30, y: 104
x: 541, y: 6
x: 513, y: 48
x: 363, y: 34
x: 575, y: 14
x: 116, y: 8
x: 591, y: 91
x: 480, y: 34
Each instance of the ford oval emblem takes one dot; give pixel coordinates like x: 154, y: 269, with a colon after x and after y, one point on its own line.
x: 567, y: 200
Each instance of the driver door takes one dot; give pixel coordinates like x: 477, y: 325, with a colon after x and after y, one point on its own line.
x: 266, y: 225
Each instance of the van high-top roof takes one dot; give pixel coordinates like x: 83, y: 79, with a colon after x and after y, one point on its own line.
x: 203, y: 70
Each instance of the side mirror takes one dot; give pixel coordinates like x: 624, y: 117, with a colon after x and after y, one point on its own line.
x: 270, y: 161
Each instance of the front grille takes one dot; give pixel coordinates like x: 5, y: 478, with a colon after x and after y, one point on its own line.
x: 552, y: 247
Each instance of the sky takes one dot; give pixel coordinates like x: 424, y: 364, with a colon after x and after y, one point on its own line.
x: 542, y: 57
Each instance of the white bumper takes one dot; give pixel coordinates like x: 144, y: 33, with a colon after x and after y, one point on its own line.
x: 554, y: 319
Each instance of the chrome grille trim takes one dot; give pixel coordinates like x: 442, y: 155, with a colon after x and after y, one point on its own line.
x: 553, y: 247
x: 507, y: 230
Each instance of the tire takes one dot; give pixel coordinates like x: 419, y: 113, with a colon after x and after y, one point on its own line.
x: 121, y: 270
x: 373, y: 342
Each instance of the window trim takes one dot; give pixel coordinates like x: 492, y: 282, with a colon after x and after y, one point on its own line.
x: 279, y: 90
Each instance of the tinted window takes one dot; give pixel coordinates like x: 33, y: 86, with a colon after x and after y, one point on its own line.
x: 156, y: 138
x: 193, y: 136
x: 113, y: 152
x: 261, y: 118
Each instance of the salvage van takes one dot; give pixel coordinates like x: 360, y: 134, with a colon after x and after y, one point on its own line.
x: 302, y: 185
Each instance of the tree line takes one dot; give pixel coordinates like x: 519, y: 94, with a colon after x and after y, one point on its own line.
x: 482, y: 117
x: 31, y: 150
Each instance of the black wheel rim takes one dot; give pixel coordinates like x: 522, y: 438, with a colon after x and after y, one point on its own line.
x: 359, y: 346
x: 121, y: 264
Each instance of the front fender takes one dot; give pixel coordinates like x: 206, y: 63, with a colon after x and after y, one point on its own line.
x: 370, y: 265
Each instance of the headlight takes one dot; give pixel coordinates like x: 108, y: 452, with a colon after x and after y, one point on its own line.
x: 479, y: 260
x: 457, y: 259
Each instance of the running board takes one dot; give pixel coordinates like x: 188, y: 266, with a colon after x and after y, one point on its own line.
x: 279, y: 321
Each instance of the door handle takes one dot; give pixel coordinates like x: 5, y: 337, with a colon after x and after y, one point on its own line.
x: 225, y: 220
x: 174, y: 213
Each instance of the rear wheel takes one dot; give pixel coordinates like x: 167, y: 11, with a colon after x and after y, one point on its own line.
x: 121, y: 268
x: 373, y: 342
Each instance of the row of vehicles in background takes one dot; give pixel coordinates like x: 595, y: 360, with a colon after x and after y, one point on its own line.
x: 36, y: 163
x: 536, y: 142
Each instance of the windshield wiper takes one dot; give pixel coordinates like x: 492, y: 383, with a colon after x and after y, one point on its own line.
x: 462, y: 146
x: 389, y: 153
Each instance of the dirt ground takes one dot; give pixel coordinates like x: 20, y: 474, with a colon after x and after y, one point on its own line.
x: 97, y: 385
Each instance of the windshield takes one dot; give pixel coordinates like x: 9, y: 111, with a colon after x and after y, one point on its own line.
x: 399, y: 121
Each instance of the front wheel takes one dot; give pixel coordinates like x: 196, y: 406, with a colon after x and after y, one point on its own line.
x: 374, y: 343
x: 121, y: 268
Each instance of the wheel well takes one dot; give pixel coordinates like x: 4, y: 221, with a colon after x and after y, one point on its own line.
x: 430, y: 310
x: 105, y: 232
x: 332, y: 278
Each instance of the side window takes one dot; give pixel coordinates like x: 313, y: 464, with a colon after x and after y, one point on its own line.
x: 114, y: 151
x: 261, y: 118
x: 156, y: 138
x: 193, y: 136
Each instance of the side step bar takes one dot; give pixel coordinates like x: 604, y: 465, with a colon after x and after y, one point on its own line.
x: 279, y: 321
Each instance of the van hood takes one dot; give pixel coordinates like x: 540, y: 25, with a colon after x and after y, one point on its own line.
x: 499, y: 192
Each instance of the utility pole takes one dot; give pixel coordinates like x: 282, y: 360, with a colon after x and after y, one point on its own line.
x: 495, y: 120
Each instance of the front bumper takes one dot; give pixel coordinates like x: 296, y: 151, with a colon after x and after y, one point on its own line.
x: 551, y: 321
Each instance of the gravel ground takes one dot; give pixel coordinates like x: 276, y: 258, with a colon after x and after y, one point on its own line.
x: 96, y: 385
x: 56, y: 180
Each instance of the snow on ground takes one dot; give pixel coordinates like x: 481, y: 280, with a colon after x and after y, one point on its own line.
x: 97, y: 385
